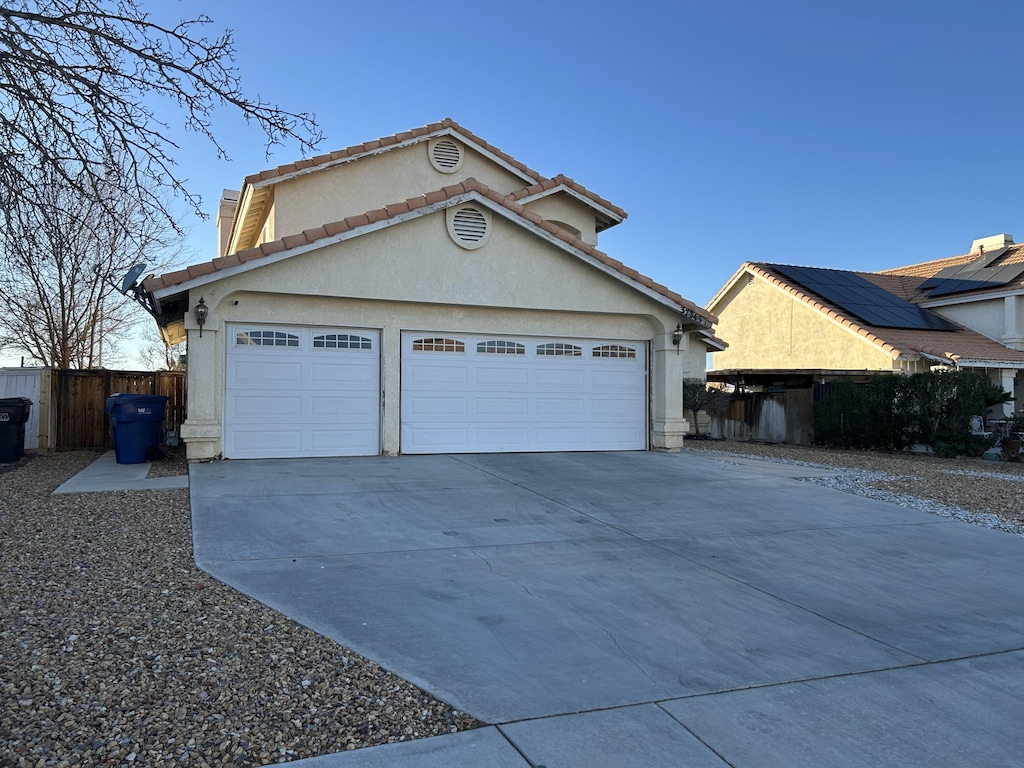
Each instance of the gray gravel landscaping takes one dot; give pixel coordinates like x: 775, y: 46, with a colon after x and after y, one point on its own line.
x: 978, y: 491
x: 116, y: 650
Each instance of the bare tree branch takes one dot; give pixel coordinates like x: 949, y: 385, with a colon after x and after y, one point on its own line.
x: 58, y: 253
x: 79, y: 84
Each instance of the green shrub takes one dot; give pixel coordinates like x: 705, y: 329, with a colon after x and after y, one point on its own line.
x: 893, y: 411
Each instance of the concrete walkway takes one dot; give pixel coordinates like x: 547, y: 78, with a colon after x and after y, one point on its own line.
x: 638, y: 608
x: 105, y: 474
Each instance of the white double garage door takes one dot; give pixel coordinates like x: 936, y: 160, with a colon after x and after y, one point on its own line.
x: 316, y: 391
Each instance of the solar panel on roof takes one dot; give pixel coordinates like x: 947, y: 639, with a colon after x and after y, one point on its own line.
x: 946, y: 287
x: 863, y: 299
x: 972, y: 276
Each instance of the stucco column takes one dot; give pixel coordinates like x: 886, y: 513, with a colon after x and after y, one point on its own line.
x: 1013, y: 335
x: 391, y: 390
x: 201, y: 430
x: 668, y: 424
x: 1006, y: 377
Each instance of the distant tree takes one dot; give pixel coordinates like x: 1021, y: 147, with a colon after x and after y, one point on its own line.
x: 157, y: 354
x: 698, y: 396
x: 81, y: 82
x: 58, y: 254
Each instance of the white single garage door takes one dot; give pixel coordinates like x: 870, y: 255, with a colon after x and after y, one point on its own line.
x: 482, y: 394
x: 301, y: 391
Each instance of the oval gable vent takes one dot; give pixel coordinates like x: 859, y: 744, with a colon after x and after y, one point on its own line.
x: 445, y: 155
x: 468, y: 226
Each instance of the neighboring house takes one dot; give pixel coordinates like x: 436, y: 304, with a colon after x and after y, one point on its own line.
x: 790, y: 327
x: 425, y: 293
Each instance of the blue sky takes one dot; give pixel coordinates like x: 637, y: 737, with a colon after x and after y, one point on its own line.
x: 856, y: 135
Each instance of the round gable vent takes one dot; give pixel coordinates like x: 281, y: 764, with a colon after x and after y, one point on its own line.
x: 469, y: 226
x: 445, y: 155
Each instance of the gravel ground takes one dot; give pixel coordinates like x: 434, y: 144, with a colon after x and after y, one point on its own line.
x: 116, y: 650
x: 979, y: 491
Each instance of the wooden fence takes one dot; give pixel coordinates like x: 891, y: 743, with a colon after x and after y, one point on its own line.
x: 774, y: 417
x: 81, y: 397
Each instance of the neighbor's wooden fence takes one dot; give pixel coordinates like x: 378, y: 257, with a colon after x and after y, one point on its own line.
x: 81, y: 396
x: 774, y: 417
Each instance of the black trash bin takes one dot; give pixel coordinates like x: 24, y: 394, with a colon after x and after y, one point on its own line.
x: 13, y: 415
x: 135, y: 421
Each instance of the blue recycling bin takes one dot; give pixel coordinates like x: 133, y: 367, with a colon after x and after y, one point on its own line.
x: 135, y: 421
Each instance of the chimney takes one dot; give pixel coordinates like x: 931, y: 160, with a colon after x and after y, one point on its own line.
x: 226, y: 219
x: 991, y: 243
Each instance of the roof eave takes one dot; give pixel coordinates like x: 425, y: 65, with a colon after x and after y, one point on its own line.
x: 280, y: 250
x: 532, y: 177
x: 605, y: 216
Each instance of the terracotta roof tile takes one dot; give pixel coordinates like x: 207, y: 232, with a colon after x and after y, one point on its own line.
x: 274, y: 246
x: 929, y: 268
x: 178, y: 276
x: 198, y: 270
x: 454, y: 189
x: 393, y: 209
x: 316, y: 233
x: 251, y: 253
x: 389, y: 141
x: 231, y: 260
x: 561, y: 179
x: 915, y: 274
x: 351, y: 222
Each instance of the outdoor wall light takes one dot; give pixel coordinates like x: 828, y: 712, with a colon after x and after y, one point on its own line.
x: 677, y: 336
x: 201, y: 311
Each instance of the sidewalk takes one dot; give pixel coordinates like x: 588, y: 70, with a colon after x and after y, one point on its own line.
x: 105, y: 474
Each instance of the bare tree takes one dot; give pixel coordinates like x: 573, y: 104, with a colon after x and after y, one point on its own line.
x: 80, y: 83
x: 157, y: 354
x: 698, y: 396
x: 58, y: 253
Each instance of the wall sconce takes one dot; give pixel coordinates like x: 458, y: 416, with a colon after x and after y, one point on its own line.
x: 677, y: 336
x: 201, y: 311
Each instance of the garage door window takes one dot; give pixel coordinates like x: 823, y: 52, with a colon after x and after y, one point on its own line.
x: 559, y: 349
x: 615, y: 350
x: 500, y: 347
x: 438, y: 345
x: 266, y: 339
x: 341, y: 341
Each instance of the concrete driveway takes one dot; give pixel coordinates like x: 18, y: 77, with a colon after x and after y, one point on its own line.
x: 638, y: 608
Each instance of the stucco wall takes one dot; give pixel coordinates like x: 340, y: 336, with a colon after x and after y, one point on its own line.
x: 986, y: 317
x: 766, y: 327
x: 315, y: 199
x: 414, y: 277
x: 563, y: 208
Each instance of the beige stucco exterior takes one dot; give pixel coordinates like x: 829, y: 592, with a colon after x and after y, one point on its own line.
x: 998, y: 317
x: 564, y: 209
x: 412, y: 276
x: 313, y: 199
x: 768, y: 328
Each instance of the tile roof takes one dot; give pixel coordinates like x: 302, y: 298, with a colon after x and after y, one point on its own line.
x: 549, y: 185
x: 918, y: 273
x: 955, y: 346
x: 392, y: 210
x: 389, y: 141
x: 258, y: 187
